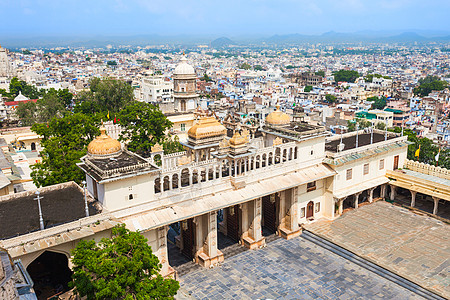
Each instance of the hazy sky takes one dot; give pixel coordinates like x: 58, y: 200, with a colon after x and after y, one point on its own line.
x: 228, y: 17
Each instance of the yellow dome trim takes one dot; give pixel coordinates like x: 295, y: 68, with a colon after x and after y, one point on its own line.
x: 206, y: 128
x: 104, y: 144
x: 278, y: 117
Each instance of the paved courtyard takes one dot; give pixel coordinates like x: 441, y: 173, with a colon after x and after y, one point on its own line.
x: 294, y: 269
x: 414, y: 246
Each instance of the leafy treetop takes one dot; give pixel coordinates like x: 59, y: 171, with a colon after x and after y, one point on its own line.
x: 122, y: 267
x: 346, y: 76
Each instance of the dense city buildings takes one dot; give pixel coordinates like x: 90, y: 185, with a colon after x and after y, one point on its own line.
x: 273, y: 142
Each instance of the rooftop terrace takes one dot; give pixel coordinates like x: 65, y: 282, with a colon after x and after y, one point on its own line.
x: 60, y: 204
x: 350, y: 141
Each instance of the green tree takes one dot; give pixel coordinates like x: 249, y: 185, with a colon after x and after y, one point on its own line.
x: 330, y: 98
x: 320, y: 73
x: 308, y: 88
x: 49, y: 106
x: 64, y: 141
x: 112, y: 63
x: 172, y: 145
x: 108, y: 94
x: 258, y: 68
x: 27, y: 113
x: 378, y: 102
x: 206, y: 78
x: 369, y: 77
x: 144, y: 126
x: 245, y: 66
x: 122, y: 267
x: 346, y: 76
x: 16, y: 86
x: 429, y: 84
x: 380, y: 126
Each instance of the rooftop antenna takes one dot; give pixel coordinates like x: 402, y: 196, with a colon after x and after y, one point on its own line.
x: 86, y: 209
x: 41, y: 220
x: 357, y: 127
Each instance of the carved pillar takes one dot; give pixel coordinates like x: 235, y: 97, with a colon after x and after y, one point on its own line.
x: 161, y: 252
x: 208, y: 255
x: 371, y: 195
x: 288, y: 227
x: 436, y: 203
x: 393, y: 187
x: 341, y: 206
x: 413, y: 198
x: 357, y: 199
x: 252, y: 237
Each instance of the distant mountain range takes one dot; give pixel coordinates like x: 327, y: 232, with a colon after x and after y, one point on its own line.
x: 221, y: 42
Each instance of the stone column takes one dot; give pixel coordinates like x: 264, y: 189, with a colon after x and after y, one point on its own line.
x: 288, y: 227
x: 252, y: 237
x: 357, y: 199
x: 436, y: 203
x: 208, y: 255
x: 341, y: 206
x: 393, y: 187
x: 383, y: 191
x: 371, y: 195
x: 413, y: 198
x: 161, y: 252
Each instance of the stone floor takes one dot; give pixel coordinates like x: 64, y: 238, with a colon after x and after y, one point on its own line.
x: 414, y: 246
x: 294, y: 269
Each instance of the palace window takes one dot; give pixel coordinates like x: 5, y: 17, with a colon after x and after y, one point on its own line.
x: 317, y: 207
x: 381, y: 164
x: 311, y: 186
x: 366, y: 169
x: 183, y: 127
x: 349, y: 174
x: 302, y: 212
x: 130, y: 197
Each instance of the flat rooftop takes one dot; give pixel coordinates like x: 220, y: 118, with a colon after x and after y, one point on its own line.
x: 63, y: 203
x: 126, y: 159
x: 350, y: 141
x: 295, y: 129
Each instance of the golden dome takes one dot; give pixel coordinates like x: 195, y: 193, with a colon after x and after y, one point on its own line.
x: 104, y: 144
x: 206, y: 128
x: 237, y: 139
x: 278, y: 117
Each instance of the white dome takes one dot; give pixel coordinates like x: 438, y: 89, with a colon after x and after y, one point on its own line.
x: 20, y: 97
x: 184, y: 68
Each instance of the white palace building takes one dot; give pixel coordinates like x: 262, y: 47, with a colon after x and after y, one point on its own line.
x: 245, y: 187
x: 282, y: 176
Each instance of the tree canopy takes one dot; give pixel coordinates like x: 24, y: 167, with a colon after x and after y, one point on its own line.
x: 320, y: 73
x: 122, y: 267
x: 346, y: 76
x: 144, y: 125
x: 429, y: 84
x: 64, y: 140
x: 105, y: 95
x: 245, y: 66
x: 28, y: 90
x: 330, y: 98
x: 369, y: 77
x: 377, y: 102
x: 308, y: 88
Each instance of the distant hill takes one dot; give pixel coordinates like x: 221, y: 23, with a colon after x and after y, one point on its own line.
x: 222, y: 42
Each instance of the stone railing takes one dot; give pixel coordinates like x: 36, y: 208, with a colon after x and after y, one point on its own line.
x: 427, y: 169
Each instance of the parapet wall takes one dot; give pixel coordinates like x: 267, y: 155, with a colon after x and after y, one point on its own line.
x: 427, y: 169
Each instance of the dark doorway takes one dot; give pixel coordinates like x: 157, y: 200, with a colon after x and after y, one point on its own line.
x: 233, y: 219
x: 269, y: 214
x: 33, y: 146
x: 51, y: 274
x: 310, y: 210
x: 396, y: 162
x: 188, y: 235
